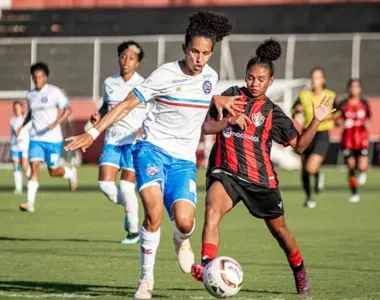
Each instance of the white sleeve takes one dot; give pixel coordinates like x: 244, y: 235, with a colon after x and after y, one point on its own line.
x: 62, y: 101
x: 104, y: 93
x: 154, y: 85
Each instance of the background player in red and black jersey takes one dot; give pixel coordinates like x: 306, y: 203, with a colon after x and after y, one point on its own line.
x: 355, y: 113
x: 240, y: 168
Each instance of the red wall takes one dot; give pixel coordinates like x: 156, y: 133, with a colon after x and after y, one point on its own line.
x: 39, y: 4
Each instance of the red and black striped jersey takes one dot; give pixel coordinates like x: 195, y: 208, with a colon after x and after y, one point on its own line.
x: 355, y: 117
x: 246, y: 154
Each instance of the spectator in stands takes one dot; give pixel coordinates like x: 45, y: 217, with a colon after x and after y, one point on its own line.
x: 314, y: 155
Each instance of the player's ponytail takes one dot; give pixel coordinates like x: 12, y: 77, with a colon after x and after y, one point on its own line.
x: 209, y: 25
x: 266, y: 53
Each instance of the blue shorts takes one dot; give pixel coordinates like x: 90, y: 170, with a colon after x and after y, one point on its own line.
x: 18, y: 155
x: 176, y: 177
x: 48, y: 152
x: 117, y: 156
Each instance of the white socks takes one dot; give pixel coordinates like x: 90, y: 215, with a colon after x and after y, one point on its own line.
x: 32, y: 191
x: 68, y: 173
x: 149, y: 242
x: 17, y: 177
x: 178, y: 236
x: 111, y: 191
x: 128, y: 193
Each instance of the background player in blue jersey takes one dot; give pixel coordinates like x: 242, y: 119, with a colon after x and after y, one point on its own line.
x: 48, y: 109
x: 120, y: 137
x: 164, y: 157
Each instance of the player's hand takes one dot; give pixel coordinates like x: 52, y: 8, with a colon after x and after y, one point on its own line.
x: 95, y: 118
x: 241, y: 120
x: 83, y: 142
x: 324, y: 109
x: 230, y: 103
x: 52, y: 126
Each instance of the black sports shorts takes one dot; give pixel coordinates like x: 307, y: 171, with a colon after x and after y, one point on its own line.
x: 354, y: 153
x: 319, y: 145
x: 261, y: 202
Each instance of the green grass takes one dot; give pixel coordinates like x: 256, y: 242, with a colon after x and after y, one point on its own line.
x: 69, y: 248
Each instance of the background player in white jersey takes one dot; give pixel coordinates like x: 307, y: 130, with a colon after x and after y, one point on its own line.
x: 164, y: 156
x: 120, y: 137
x: 48, y: 108
x: 19, y: 146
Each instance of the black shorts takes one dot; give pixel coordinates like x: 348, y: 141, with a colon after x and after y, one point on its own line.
x: 319, y: 145
x: 263, y: 203
x: 347, y: 153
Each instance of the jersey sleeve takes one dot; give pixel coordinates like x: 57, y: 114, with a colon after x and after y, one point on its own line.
x: 283, y: 129
x: 154, y: 85
x: 62, y: 101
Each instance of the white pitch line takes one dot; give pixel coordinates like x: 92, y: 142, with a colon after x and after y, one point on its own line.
x: 64, y: 295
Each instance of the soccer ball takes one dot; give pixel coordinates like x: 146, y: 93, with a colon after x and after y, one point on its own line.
x: 223, y: 277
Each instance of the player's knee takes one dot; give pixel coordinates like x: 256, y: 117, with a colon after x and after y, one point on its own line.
x: 53, y: 172
x: 152, y: 221
x: 184, y: 223
x: 310, y: 169
x: 109, y: 189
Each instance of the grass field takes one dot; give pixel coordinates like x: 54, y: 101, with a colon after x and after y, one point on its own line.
x: 69, y: 248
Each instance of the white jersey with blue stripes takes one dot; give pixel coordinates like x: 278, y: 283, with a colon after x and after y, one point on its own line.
x: 21, y: 142
x: 115, y: 90
x: 180, y: 106
x: 44, y: 106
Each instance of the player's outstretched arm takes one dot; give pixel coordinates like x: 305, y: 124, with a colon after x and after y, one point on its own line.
x: 26, y: 121
x: 320, y: 113
x: 85, y: 140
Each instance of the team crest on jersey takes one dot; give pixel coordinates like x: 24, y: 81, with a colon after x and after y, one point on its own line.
x: 227, y: 132
x: 258, y: 119
x: 152, y: 170
x: 207, y: 87
x: 44, y: 99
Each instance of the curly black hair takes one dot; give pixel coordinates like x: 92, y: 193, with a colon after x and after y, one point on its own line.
x: 40, y: 66
x: 126, y: 45
x: 266, y: 53
x: 209, y: 25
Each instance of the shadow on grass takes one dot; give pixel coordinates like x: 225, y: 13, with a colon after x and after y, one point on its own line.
x: 6, y: 238
x: 53, y: 188
x: 68, y: 288
x: 200, y: 289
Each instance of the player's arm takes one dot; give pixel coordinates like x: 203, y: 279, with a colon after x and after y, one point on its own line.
x: 301, y: 142
x: 63, y: 115
x: 27, y: 119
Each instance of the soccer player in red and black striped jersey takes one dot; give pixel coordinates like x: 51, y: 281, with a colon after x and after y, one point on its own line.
x: 355, y: 113
x: 240, y: 168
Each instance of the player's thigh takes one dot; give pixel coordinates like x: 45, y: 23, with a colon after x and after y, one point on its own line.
x: 128, y: 170
x: 313, y: 163
x: 107, y: 173
x: 221, y: 195
x: 53, y: 153
x: 109, y: 162
x: 36, y: 151
x: 262, y: 203
x: 180, y: 186
x: 149, y: 167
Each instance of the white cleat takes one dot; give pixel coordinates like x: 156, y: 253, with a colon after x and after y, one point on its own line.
x: 310, y: 204
x: 73, y: 181
x: 144, y: 289
x: 26, y: 207
x: 362, y: 178
x: 185, y: 255
x: 354, y: 198
x: 17, y: 192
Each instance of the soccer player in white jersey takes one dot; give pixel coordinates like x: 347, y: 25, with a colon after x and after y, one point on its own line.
x: 164, y: 156
x: 19, y: 146
x: 120, y: 137
x: 48, y: 108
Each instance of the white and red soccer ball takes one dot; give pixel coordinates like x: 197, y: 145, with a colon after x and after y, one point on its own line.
x: 223, y: 277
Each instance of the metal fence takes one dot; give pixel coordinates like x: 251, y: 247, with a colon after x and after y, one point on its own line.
x: 79, y: 65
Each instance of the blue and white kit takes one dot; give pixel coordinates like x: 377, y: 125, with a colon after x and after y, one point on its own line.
x: 19, y: 144
x: 165, y: 153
